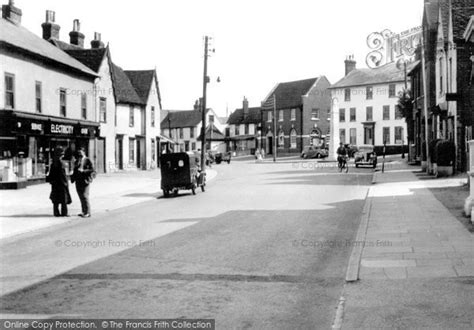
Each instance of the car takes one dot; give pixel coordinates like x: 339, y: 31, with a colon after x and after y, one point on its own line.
x: 314, y: 152
x: 223, y: 157
x: 365, y: 156
x: 351, y: 150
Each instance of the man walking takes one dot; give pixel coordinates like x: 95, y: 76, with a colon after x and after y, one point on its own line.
x: 83, y: 175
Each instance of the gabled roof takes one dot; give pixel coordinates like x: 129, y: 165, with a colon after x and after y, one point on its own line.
x: 92, y: 58
x: 388, y: 73
x: 237, y: 117
x: 462, y: 12
x: 178, y: 119
x: 215, y: 136
x: 289, y: 94
x: 18, y: 37
x: 142, y: 81
x: 124, y: 90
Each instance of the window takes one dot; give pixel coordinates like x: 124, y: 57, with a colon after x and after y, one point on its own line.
x: 353, y: 136
x: 191, y: 132
x: 293, y: 114
x: 386, y: 112
x: 441, y: 75
x: 193, y: 145
x: 347, y: 94
x: 270, y: 116
x: 211, y: 118
x: 293, y: 139
x: 38, y: 96
x: 391, y: 90
x: 132, y: 116
x: 181, y: 133
x: 369, y: 93
x: 103, y: 110
x: 450, y: 73
x: 342, y: 136
x: 280, y: 115
x: 342, y: 115
x: 131, y: 150
x: 398, y: 112
x: 152, y: 116
x: 237, y: 130
x: 369, y: 114
x: 186, y: 145
x: 353, y: 114
x: 386, y: 135
x: 315, y: 114
x: 329, y: 114
x: 281, y: 139
x: 9, y: 91
x: 171, y: 133
x: 84, y: 106
x: 153, y: 149
x: 62, y: 102
x: 398, y: 135
x: 246, y: 129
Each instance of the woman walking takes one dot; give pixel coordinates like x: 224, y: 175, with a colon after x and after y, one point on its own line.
x: 59, y: 185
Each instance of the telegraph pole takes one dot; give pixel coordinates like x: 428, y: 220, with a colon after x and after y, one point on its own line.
x: 203, y: 106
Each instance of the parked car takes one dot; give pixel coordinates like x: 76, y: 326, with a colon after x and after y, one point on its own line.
x: 314, y: 152
x: 365, y: 156
x: 223, y: 157
x: 351, y: 150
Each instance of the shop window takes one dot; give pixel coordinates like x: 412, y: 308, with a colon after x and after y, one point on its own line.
x: 62, y: 102
x: 84, y: 105
x: 38, y: 96
x: 9, y: 91
x: 152, y: 116
x: 342, y: 115
x: 103, y: 110
x: 131, y: 151
x: 386, y: 112
x: 132, y: 116
x: 293, y: 139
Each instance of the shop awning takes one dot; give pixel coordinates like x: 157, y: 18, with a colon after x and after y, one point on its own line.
x: 165, y: 139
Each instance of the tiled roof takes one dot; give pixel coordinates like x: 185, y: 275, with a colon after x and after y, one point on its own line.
x: 185, y: 118
x: 92, y: 58
x: 64, y: 45
x: 124, y: 90
x: 431, y: 13
x: 382, y: 75
x: 19, y: 37
x: 462, y: 12
x: 288, y: 94
x: 142, y: 80
x: 237, y: 117
x: 216, y: 134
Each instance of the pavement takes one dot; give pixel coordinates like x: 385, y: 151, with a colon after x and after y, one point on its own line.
x: 30, y: 209
x: 416, y: 261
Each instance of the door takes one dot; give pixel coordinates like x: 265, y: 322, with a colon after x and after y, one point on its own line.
x: 269, y: 145
x: 119, y: 153
x: 100, y: 156
x: 369, y: 135
x: 139, y: 153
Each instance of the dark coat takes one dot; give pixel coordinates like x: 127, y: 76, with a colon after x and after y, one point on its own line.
x: 59, y: 183
x: 84, y: 177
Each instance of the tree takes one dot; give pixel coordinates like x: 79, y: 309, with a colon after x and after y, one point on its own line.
x: 405, y: 104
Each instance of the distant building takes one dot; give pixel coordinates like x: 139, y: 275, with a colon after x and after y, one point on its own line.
x: 367, y: 111
x: 242, y: 131
x: 302, y: 115
x: 47, y: 101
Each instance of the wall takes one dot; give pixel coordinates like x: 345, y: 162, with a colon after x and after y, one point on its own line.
x: 152, y: 131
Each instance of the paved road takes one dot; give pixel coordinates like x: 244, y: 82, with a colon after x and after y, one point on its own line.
x: 265, y: 247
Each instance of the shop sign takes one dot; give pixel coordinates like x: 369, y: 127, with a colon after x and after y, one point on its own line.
x: 27, y: 126
x: 62, y: 129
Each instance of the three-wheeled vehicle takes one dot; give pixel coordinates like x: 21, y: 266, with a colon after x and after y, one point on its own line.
x: 181, y: 171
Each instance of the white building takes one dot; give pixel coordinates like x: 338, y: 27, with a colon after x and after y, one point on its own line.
x: 365, y: 108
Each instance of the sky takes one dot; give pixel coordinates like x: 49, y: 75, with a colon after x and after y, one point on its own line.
x: 258, y: 43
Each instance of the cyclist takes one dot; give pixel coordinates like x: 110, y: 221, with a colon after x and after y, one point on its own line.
x: 341, y: 154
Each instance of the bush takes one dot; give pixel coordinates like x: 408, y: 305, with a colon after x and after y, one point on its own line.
x: 432, y: 150
x: 445, y: 151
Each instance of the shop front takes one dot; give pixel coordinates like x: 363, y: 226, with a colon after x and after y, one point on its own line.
x: 27, y: 143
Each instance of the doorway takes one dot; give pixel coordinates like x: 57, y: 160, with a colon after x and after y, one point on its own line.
x: 369, y: 135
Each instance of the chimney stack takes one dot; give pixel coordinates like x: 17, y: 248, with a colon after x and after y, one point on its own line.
x: 97, y: 42
x: 350, y: 64
x: 50, y: 28
x: 75, y: 36
x: 245, y: 107
x: 11, y: 13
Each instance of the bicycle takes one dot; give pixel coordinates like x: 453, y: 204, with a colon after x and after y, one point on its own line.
x: 342, y: 164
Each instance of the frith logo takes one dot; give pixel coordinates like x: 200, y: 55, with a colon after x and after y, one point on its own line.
x: 62, y: 129
x: 387, y: 47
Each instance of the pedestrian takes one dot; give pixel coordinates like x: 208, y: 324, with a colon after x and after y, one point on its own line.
x: 59, y: 184
x: 83, y: 175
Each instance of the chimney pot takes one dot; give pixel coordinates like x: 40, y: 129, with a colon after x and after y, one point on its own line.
x: 11, y: 13
x: 50, y: 28
x: 76, y: 25
x: 75, y: 36
x: 97, y: 42
x: 350, y: 64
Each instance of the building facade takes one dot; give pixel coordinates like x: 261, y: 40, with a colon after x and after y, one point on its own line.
x: 300, y: 111
x: 48, y: 101
x: 367, y: 107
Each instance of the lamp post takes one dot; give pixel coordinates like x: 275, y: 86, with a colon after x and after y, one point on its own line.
x: 203, y: 106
